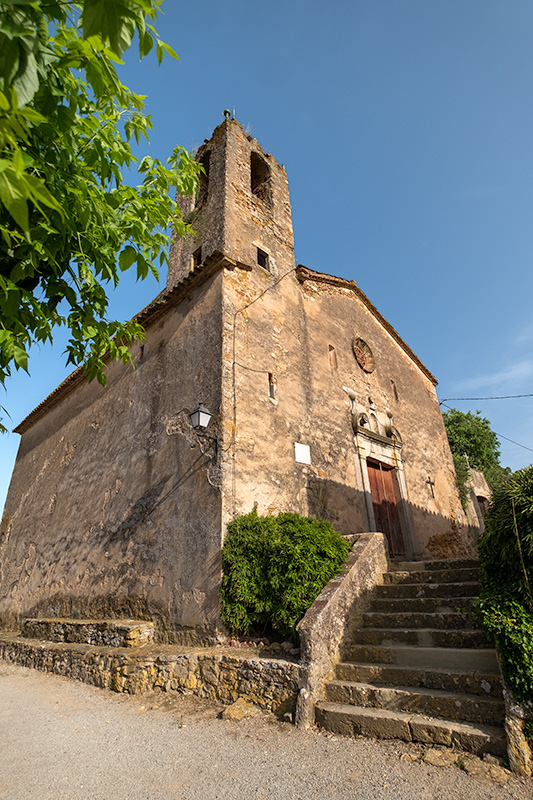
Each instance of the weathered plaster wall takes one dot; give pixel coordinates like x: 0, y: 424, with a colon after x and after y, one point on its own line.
x: 114, y: 506
x: 397, y: 394
x: 301, y: 332
x: 265, y: 337
x: 479, y: 496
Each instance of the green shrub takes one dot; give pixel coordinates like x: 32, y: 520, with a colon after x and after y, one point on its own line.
x: 510, y: 627
x: 274, y: 568
x: 506, y: 546
x: 506, y: 602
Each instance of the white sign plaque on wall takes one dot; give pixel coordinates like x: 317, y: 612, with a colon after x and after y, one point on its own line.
x: 302, y: 453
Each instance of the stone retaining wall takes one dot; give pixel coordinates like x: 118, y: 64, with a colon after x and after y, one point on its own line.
x: 212, y: 673
x: 519, y: 745
x: 100, y: 632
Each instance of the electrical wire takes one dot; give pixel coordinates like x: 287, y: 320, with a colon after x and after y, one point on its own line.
x: 499, y: 397
x: 499, y: 435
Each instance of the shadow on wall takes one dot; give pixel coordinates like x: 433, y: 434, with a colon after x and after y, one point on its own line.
x: 345, y: 508
x: 132, y: 566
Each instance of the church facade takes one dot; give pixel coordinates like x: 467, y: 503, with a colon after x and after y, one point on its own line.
x: 118, y: 506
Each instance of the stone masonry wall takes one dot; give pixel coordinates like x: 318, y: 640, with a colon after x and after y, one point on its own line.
x: 227, y: 215
x: 296, y: 380
x: 271, y: 684
x: 114, y: 505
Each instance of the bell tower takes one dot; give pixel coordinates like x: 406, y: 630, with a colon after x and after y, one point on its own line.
x: 241, y: 210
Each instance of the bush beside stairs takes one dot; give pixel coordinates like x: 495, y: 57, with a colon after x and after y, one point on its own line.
x: 419, y: 668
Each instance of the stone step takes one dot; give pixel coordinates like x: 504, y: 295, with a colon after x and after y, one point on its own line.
x: 384, y: 724
x: 485, y: 684
x: 429, y: 605
x: 432, y: 702
x: 451, y: 620
x: 430, y: 566
x: 455, y: 575
x: 101, y: 632
x: 450, y: 658
x: 423, y: 637
x: 397, y: 590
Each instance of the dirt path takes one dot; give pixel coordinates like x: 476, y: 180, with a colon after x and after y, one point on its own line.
x: 63, y: 740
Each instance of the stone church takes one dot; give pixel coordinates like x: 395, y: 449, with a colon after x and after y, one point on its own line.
x: 118, y: 504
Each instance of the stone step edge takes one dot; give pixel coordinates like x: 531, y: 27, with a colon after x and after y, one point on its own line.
x: 438, y: 576
x: 431, y: 583
x: 422, y: 656
x: 461, y: 697
x: 392, y: 631
x: 435, y: 564
x: 422, y: 650
x: 477, y: 674
x: 382, y: 724
x: 442, y: 601
x: 418, y: 637
x: 419, y: 614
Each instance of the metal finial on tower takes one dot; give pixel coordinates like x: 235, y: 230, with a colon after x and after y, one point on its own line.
x: 227, y: 113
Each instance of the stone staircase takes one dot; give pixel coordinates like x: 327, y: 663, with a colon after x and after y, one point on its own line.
x: 419, y: 668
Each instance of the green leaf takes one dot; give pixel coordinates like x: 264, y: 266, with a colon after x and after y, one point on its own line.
x: 172, y: 53
x: 113, y: 20
x: 127, y: 257
x: 146, y: 42
x: 20, y: 357
x: 38, y: 192
x: 14, y: 196
x: 27, y: 82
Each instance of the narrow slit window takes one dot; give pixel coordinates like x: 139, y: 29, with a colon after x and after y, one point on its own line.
x: 197, y: 257
x: 333, y: 363
x: 272, y: 383
x: 263, y: 259
x: 394, y: 390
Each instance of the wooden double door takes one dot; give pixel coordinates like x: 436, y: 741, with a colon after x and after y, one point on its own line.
x: 385, y: 498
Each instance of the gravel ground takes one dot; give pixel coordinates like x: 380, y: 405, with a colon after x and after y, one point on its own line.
x: 67, y: 741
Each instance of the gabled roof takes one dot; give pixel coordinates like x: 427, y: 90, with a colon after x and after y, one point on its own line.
x: 305, y: 274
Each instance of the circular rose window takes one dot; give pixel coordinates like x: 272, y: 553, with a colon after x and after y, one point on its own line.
x: 363, y: 355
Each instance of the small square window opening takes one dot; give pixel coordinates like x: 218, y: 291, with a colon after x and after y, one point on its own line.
x: 262, y: 259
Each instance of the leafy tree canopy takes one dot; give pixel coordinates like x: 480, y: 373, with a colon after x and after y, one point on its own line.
x: 471, y: 436
x: 69, y: 221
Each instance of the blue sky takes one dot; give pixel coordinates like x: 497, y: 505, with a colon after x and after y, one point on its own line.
x: 406, y: 128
